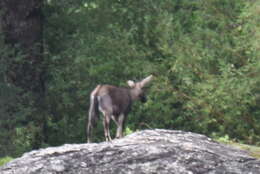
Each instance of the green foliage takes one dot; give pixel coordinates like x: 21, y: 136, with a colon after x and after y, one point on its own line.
x: 204, y: 54
x: 224, y: 139
x: 128, y: 131
x: 5, y: 160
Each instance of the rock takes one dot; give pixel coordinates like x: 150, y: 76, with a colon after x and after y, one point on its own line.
x: 148, y: 151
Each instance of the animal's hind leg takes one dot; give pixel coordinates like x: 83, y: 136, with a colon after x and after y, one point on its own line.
x: 106, y: 123
x: 115, y: 119
x: 105, y: 106
x: 120, y: 126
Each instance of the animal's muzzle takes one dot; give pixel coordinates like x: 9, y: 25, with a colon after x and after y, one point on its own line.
x: 143, y: 99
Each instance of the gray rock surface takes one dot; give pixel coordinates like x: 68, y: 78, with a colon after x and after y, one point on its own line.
x: 148, y: 151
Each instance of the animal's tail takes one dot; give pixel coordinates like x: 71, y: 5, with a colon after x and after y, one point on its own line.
x: 93, y: 111
x: 93, y: 114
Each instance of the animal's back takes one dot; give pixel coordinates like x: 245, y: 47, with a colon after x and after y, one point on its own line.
x: 120, y: 98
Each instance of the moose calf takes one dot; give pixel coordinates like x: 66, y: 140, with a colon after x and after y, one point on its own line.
x: 114, y: 102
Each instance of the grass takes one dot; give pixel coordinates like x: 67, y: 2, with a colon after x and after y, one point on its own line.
x: 5, y: 160
x: 254, y: 151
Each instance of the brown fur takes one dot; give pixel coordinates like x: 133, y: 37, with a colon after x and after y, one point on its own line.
x: 115, y: 103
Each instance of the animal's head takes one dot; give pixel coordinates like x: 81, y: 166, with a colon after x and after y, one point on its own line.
x: 137, y: 88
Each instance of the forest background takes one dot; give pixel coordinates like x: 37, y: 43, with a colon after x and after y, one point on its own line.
x: 204, y: 55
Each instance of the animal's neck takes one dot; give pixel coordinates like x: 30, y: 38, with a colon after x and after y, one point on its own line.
x: 134, y: 94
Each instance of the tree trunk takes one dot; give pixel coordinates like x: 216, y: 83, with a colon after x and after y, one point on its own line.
x: 22, y: 26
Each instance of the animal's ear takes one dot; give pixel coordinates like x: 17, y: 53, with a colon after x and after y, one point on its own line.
x: 146, y: 81
x: 131, y: 83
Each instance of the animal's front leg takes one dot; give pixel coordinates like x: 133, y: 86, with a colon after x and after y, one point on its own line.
x: 118, y: 131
